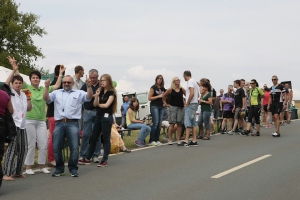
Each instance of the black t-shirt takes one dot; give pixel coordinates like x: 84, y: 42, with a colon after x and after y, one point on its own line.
x: 277, y: 93
x: 238, y: 97
x: 176, y: 98
x: 90, y: 105
x: 157, y: 91
x: 50, y: 110
x: 102, y: 100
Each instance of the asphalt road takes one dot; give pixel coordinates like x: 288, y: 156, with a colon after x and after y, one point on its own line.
x: 171, y: 172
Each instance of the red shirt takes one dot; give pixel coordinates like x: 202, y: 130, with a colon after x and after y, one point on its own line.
x: 4, y: 99
x: 266, y: 98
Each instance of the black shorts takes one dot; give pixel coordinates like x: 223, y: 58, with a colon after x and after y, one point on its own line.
x: 254, y: 112
x: 276, y: 108
x: 228, y: 114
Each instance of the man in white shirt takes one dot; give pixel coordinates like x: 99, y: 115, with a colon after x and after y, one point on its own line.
x: 192, y: 96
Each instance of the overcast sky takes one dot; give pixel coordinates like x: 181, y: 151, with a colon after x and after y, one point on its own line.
x: 136, y: 40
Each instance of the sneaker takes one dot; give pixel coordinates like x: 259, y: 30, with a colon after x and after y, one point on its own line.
x: 95, y: 160
x: 257, y: 134
x: 183, y: 144
x: 153, y: 143
x: 84, y: 161
x: 140, y: 143
x: 212, y: 133
x: 57, y: 173
x: 231, y: 132
x: 170, y: 143
x: 193, y: 144
x: 159, y: 143
x: 81, y: 161
x: 275, y: 134
x: 29, y: 172
x: 223, y: 131
x: 74, y: 173
x: 45, y: 171
x: 102, y: 164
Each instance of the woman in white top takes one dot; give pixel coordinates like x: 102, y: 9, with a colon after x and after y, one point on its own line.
x: 17, y: 148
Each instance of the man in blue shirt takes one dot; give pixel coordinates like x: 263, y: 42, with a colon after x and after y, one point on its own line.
x: 124, y: 109
x: 67, y: 112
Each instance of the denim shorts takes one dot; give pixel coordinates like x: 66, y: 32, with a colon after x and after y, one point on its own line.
x: 190, y: 115
x: 176, y: 115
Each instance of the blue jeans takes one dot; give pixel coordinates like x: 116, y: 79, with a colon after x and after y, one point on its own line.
x: 88, y: 123
x: 190, y: 115
x: 102, y: 125
x: 61, y: 131
x: 204, y: 117
x: 145, y: 130
x: 157, y: 113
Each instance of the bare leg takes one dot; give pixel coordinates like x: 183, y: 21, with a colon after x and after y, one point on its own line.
x: 224, y: 123
x: 187, y: 133
x: 194, y: 134
x: 170, y: 132
x: 179, y: 129
x: 277, y: 123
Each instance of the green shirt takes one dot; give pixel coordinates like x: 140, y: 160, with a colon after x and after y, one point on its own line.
x: 38, y: 111
x: 205, y: 106
x: 255, y: 96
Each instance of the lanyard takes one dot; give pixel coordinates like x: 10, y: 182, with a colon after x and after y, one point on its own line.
x: 64, y: 103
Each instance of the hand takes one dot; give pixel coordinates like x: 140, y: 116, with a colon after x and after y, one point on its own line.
x: 268, y: 108
x: 284, y: 107
x: 97, y: 92
x: 229, y: 101
x: 186, y: 105
x: 13, y: 63
x: 233, y: 110
x: 47, y: 83
x: 88, y: 81
x: 160, y: 96
x: 62, y: 69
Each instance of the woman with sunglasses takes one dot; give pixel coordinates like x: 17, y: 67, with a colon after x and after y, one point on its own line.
x: 205, y: 102
x: 176, y: 110
x: 106, y: 103
x: 157, y: 109
x: 36, y: 128
x: 256, y: 94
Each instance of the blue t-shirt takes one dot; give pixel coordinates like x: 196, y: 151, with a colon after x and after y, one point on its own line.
x: 125, y: 106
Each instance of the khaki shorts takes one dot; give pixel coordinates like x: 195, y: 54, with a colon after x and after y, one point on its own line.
x: 237, y: 113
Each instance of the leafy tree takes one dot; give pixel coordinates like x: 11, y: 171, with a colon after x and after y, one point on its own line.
x: 16, y: 32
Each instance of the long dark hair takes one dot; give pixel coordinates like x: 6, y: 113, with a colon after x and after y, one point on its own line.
x: 162, y: 81
x: 131, y: 104
x: 110, y: 87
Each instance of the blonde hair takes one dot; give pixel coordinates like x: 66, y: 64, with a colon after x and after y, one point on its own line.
x: 173, y: 86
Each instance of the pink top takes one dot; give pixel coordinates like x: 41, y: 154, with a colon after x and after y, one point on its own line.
x: 266, y: 98
x: 4, y: 99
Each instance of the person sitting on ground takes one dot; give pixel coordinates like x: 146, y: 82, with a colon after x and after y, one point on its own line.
x: 115, y: 138
x: 134, y: 123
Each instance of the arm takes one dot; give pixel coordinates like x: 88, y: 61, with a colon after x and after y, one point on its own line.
x: 29, y: 104
x: 244, y: 103
x: 192, y: 93
x: 58, y: 82
x: 46, y: 91
x: 10, y: 107
x: 96, y: 100
x: 107, y: 104
x: 151, y: 97
x: 221, y: 105
x: 14, y: 71
x: 129, y: 111
x: 164, y: 98
x: 209, y: 101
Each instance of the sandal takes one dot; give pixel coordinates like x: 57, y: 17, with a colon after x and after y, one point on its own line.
x: 199, y: 137
x: 206, y: 138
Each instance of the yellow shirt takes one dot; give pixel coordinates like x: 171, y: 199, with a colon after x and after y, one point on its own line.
x: 128, y: 122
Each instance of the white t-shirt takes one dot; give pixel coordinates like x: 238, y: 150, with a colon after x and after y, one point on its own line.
x: 192, y: 84
x: 19, y: 103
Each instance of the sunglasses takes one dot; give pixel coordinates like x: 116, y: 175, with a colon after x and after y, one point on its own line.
x: 274, y: 79
x: 177, y: 80
x: 252, y: 83
x: 67, y: 82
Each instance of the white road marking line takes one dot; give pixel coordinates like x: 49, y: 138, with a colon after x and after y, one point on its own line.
x: 241, y: 166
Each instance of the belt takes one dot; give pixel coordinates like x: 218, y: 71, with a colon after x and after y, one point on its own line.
x: 67, y: 120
